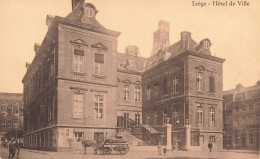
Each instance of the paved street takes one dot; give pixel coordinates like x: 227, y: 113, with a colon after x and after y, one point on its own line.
x: 135, y: 153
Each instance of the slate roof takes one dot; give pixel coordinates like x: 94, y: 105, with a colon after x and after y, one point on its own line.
x: 11, y: 99
x: 171, y: 51
x: 125, y: 61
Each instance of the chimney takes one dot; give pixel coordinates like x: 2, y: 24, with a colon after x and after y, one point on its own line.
x: 49, y: 20
x: 76, y: 2
x: 185, y: 38
x: 132, y: 50
x: 27, y: 65
x: 161, y: 37
x: 36, y: 47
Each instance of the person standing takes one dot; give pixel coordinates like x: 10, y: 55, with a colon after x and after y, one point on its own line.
x: 210, y: 145
x: 164, y: 151
x: 17, y: 147
x: 159, y: 148
x: 11, y: 150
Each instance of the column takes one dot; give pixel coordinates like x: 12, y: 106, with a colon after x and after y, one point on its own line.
x: 169, y: 136
x: 187, y: 134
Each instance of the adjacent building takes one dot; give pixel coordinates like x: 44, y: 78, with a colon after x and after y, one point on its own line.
x: 241, y: 117
x: 79, y: 86
x: 11, y: 115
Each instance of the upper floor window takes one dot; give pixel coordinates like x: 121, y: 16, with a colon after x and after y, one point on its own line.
x: 175, y: 116
x: 9, y: 109
x: 175, y: 83
x: 137, y: 118
x: 165, y: 86
x: 165, y: 117
x: 126, y: 92
x: 156, y: 115
x: 148, y: 93
x: 206, y: 44
x: 212, y: 84
x: 199, y: 81
x: 15, y: 110
x: 251, y: 107
x: 243, y: 108
x: 78, y: 60
x: 211, y: 116
x: 200, y: 114
x: 78, y: 105
x: 156, y: 89
x: 99, y: 64
x: 237, y: 109
x: 137, y: 94
x: 99, y: 106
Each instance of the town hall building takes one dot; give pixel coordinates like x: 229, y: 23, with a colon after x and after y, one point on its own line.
x: 79, y: 86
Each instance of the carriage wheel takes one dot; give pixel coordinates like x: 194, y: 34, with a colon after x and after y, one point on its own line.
x: 102, y: 151
x: 108, y: 150
x: 122, y: 151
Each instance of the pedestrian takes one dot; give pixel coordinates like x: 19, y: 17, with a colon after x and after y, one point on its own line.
x: 11, y: 150
x: 17, y: 147
x: 210, y: 145
x: 159, y: 148
x: 164, y: 151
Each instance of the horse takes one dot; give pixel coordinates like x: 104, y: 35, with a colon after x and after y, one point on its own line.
x: 89, y: 143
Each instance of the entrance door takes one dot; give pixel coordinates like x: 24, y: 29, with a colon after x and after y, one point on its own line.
x: 99, y: 137
x: 243, y: 140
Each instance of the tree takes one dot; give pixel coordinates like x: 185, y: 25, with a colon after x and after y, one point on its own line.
x: 13, y: 133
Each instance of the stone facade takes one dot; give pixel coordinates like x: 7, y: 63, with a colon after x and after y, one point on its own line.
x: 241, y: 117
x: 78, y: 86
x: 11, y: 115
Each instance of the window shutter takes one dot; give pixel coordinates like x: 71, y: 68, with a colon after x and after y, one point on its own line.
x: 78, y: 52
x: 99, y: 58
x: 211, y: 83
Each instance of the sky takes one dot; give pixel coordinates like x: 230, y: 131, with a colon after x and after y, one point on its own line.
x: 233, y: 31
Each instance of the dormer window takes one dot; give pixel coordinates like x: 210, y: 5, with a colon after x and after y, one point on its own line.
x: 90, y: 12
x: 206, y: 44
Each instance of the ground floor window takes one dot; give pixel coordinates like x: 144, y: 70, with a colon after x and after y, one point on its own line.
x: 212, y: 139
x: 78, y: 136
x: 251, y: 138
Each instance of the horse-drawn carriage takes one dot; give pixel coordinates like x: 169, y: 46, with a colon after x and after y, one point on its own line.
x: 109, y: 145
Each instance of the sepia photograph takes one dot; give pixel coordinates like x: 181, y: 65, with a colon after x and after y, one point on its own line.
x: 129, y: 79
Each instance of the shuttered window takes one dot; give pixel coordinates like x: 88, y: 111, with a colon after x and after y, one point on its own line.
x: 211, y: 84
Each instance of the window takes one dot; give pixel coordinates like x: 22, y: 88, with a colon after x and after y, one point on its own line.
x: 137, y: 94
x: 165, y: 117
x: 251, y: 107
x: 156, y: 89
x: 199, y: 81
x: 206, y: 44
x: 175, y: 83
x: 200, y: 115
x: 251, y: 138
x: 126, y: 92
x: 156, y: 115
x: 175, y: 116
x: 78, y: 105
x: 2, y: 108
x: 137, y: 118
x: 126, y: 123
x: 236, y: 139
x: 15, y: 120
x: 243, y: 108
x: 148, y: 93
x: 237, y: 109
x: 165, y: 87
x: 78, y: 136
x: 212, y: 139
x: 212, y: 84
x: 99, y: 106
x: 78, y: 60
x: 211, y: 116
x: 9, y: 109
x: 99, y: 64
x: 15, y: 110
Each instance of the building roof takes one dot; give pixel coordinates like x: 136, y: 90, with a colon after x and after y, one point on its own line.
x: 11, y: 99
x: 130, y: 63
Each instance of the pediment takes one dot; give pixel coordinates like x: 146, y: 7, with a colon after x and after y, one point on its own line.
x: 127, y: 81
x: 200, y: 68
x: 99, y: 46
x: 79, y: 42
x: 211, y: 70
x: 137, y: 82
